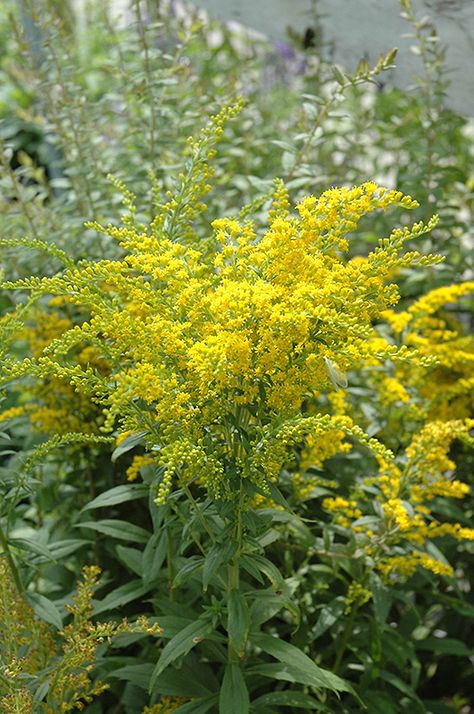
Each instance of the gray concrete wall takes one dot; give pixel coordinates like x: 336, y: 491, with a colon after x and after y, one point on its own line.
x: 357, y: 29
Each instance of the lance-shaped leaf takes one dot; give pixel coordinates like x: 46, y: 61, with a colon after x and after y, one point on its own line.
x: 312, y: 675
x: 238, y: 621
x: 181, y: 644
x: 234, y: 696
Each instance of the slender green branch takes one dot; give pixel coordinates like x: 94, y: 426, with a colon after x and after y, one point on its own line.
x: 20, y: 198
x: 11, y: 562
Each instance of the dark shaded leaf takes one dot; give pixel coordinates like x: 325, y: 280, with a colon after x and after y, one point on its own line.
x: 122, y: 530
x: 314, y: 675
x: 45, y: 609
x: 154, y: 556
x: 118, y: 494
x: 121, y: 596
x: 132, y: 558
x: 181, y: 644
x: 127, y: 444
x: 218, y: 556
x: 287, y: 698
x: 233, y: 696
x: 238, y: 621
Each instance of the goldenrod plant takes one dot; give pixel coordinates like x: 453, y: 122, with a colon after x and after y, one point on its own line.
x: 222, y: 365
x: 247, y: 400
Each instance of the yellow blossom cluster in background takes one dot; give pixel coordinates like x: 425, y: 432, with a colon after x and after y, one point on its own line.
x: 138, y: 462
x: 52, y: 405
x: 445, y: 390
x: 406, y: 491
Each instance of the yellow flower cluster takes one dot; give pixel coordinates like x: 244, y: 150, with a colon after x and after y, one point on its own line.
x: 405, y: 495
x: 392, y: 391
x: 54, y: 406
x: 11, y: 413
x: 405, y: 565
x: 27, y: 643
x: 356, y: 595
x: 446, y: 389
x: 214, y: 349
x: 318, y: 448
x: 345, y: 510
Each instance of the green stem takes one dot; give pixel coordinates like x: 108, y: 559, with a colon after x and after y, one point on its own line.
x: 345, y: 639
x: 233, y: 572
x: 233, y: 578
x: 11, y: 562
x: 233, y: 575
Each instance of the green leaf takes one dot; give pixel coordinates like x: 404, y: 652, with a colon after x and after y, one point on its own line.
x: 461, y: 606
x: 121, y: 595
x: 122, y: 530
x: 191, y: 564
x: 173, y: 624
x: 314, y: 676
x: 154, y: 556
x: 238, y: 621
x: 399, y: 684
x: 32, y: 546
x: 181, y: 644
x: 233, y: 696
x: 218, y: 556
x: 339, y: 76
x: 192, y: 679
x: 445, y: 645
x: 247, y: 564
x: 61, y: 548
x: 265, y: 605
x: 138, y: 674
x: 390, y: 56
x: 42, y: 690
x: 329, y: 614
x: 280, y: 671
x: 127, y: 444
x: 287, y: 698
x: 291, y: 148
x: 118, y: 494
x: 300, y: 529
x: 132, y: 558
x: 45, y: 609
x: 277, y: 496
x: 381, y: 597
x: 267, y: 568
